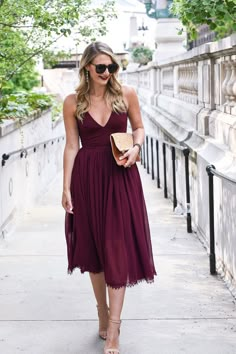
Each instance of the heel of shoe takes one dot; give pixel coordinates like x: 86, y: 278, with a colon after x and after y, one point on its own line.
x: 112, y: 350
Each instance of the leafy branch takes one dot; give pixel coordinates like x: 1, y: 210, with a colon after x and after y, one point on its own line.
x: 28, y: 28
x: 219, y: 15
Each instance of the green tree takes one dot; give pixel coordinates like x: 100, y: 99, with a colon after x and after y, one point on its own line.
x: 219, y: 15
x: 51, y: 58
x: 28, y: 28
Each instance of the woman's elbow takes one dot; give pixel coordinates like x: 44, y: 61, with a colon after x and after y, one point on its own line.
x: 72, y: 147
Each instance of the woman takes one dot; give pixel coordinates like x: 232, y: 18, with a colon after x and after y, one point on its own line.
x: 106, y: 225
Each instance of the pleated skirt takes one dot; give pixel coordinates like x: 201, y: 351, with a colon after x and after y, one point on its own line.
x: 108, y: 230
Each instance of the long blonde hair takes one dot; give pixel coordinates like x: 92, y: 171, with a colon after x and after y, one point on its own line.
x: 113, y: 94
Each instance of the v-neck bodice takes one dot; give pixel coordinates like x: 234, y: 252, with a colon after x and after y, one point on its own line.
x: 102, y: 126
x: 93, y: 135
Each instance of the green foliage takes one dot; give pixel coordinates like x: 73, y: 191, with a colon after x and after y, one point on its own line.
x: 20, y: 105
x: 57, y: 108
x: 28, y: 28
x: 219, y: 15
x: 24, y: 80
x: 50, y: 58
x: 142, y: 55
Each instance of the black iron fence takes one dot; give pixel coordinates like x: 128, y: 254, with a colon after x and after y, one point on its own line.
x: 148, y: 147
x: 211, y: 171
x: 205, y: 35
x: 23, y: 152
x: 152, y: 144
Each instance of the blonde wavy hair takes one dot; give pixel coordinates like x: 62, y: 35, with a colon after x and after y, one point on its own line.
x: 113, y: 94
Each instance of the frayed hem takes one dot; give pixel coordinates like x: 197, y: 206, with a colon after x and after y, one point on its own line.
x: 131, y: 284
x: 70, y: 271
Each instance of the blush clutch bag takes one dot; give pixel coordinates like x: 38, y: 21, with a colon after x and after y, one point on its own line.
x: 120, y: 143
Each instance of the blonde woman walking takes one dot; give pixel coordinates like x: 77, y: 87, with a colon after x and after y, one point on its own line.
x: 107, y: 230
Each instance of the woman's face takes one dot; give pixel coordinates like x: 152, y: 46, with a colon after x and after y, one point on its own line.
x: 97, y: 74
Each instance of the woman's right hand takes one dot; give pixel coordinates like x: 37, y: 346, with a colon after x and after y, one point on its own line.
x: 66, y: 202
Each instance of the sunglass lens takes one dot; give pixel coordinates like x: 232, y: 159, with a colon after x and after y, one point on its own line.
x: 112, y: 68
x: 100, y: 68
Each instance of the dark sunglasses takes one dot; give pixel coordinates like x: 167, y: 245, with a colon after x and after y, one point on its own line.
x: 101, y: 68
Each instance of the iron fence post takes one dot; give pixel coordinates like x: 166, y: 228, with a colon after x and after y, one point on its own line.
x: 186, y: 152
x: 164, y: 168
x: 174, y: 177
x: 158, y: 164
x: 147, y: 143
x: 212, y: 258
x: 144, y: 154
x: 141, y: 155
x: 152, y: 159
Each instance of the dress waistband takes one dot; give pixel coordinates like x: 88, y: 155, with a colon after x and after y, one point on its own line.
x: 97, y: 147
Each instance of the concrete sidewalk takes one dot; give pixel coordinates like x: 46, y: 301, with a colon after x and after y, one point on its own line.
x: 43, y: 310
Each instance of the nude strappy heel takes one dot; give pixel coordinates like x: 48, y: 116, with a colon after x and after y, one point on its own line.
x: 103, y: 317
x: 114, y: 350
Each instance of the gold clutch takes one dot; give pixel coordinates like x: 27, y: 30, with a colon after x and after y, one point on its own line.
x: 120, y: 143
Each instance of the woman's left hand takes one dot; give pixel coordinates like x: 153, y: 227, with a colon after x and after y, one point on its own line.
x: 131, y: 156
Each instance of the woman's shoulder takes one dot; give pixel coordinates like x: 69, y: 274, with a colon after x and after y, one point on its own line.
x: 128, y: 90
x: 70, y: 99
x: 129, y: 94
x: 70, y: 105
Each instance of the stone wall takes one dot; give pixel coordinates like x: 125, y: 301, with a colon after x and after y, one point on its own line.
x: 190, y: 99
x: 23, y: 179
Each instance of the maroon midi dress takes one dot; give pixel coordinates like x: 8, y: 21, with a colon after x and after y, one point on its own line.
x: 109, y: 229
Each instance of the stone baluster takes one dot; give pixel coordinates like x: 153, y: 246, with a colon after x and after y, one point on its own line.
x: 180, y: 81
x: 167, y: 81
x: 144, y: 79
x: 183, y: 89
x: 233, y: 110
x: 135, y: 79
x: 140, y: 79
x: 195, y: 81
x: 147, y: 79
x: 230, y: 85
x: 185, y: 84
x: 227, y: 67
x: 184, y: 81
x: 132, y: 78
x: 191, y: 83
x: 188, y: 83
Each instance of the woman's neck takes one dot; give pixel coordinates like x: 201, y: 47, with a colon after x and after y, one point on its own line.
x: 97, y: 92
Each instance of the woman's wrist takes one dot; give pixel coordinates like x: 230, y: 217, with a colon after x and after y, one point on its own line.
x: 139, y: 146
x: 66, y: 190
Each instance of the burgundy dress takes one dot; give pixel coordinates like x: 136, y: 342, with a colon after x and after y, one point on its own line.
x: 109, y: 229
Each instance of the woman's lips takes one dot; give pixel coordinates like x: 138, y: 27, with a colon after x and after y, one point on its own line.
x: 104, y: 78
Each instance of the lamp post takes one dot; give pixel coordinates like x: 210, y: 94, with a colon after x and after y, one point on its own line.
x: 143, y: 29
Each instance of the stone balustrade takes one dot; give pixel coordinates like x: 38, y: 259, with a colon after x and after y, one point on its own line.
x: 227, y: 100
x: 191, y: 99
x: 203, y: 80
x: 167, y: 81
x: 187, y: 83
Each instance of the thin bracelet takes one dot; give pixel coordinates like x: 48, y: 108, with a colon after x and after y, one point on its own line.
x: 136, y: 144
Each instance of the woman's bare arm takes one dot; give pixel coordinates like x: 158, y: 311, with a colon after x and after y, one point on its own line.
x: 71, y: 148
x: 134, y: 114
